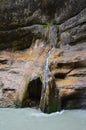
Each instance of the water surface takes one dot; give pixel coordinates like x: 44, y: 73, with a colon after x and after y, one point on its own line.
x: 32, y: 119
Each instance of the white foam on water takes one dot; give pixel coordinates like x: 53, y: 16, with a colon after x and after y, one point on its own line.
x: 41, y: 114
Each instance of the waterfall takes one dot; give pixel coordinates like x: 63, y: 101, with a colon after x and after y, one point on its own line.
x: 46, y: 69
x: 50, y: 97
x: 46, y: 74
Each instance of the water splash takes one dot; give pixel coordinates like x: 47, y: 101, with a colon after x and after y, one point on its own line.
x: 38, y: 113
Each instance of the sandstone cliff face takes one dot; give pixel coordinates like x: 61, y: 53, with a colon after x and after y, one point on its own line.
x: 40, y: 25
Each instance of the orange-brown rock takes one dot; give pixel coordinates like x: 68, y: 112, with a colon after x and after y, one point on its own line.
x: 17, y: 70
x: 68, y: 66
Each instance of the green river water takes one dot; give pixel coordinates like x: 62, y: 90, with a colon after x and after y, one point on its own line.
x: 32, y: 119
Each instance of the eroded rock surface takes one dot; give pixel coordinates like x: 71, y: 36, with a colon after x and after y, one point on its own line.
x: 17, y: 70
x: 68, y: 66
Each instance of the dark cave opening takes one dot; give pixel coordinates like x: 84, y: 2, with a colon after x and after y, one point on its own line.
x: 33, y: 93
x: 35, y: 88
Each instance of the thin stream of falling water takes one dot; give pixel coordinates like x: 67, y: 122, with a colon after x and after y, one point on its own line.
x: 46, y: 72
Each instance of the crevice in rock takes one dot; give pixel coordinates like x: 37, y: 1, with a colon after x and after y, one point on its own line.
x: 80, y: 64
x: 75, y: 100
x: 78, y: 75
x: 67, y: 65
x: 77, y: 64
x: 7, y: 90
x: 77, y: 39
x: 60, y: 75
x: 3, y: 61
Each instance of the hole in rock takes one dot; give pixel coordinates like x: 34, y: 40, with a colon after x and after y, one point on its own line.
x: 60, y: 75
x: 33, y: 94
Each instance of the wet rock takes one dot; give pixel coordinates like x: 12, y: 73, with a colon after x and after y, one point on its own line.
x: 53, y: 36
x: 50, y: 98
